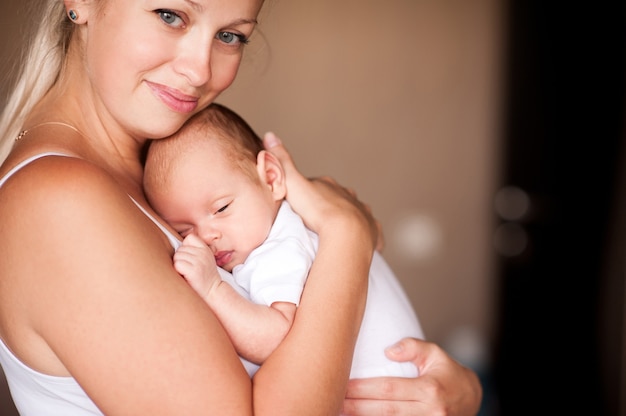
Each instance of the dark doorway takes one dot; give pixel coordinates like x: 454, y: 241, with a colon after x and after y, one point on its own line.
x: 560, y: 340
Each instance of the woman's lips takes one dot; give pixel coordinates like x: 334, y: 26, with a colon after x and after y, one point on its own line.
x: 174, y: 99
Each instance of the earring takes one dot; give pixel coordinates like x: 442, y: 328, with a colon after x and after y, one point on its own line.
x: 72, y: 14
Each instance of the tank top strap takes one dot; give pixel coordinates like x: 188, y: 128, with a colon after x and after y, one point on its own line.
x: 174, y: 241
x: 26, y: 162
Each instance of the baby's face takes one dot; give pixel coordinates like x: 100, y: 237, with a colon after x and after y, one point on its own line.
x: 216, y: 200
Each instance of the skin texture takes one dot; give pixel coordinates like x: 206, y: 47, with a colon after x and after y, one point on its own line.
x: 88, y: 288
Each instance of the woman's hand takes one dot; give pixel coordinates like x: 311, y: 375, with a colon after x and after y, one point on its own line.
x: 290, y: 382
x: 321, y: 201
x: 443, y: 387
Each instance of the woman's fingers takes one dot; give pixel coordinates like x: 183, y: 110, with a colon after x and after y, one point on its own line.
x: 443, y: 386
x: 319, y: 200
x: 297, y: 184
x: 273, y: 144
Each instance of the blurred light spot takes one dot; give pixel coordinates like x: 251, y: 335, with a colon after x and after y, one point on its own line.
x: 510, y: 239
x: 511, y: 203
x: 467, y: 346
x: 417, y: 237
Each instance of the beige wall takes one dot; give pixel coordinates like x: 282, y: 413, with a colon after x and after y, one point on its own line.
x: 397, y: 99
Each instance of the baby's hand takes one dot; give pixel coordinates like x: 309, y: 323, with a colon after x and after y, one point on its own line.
x: 194, y: 260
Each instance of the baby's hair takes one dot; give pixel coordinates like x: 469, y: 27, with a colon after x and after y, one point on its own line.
x: 229, y: 125
x: 217, y: 125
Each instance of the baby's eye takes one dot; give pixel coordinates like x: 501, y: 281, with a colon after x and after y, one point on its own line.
x: 170, y: 18
x: 223, y: 208
x: 232, y: 38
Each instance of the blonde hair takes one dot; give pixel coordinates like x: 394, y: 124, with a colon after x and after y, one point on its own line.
x: 40, y: 69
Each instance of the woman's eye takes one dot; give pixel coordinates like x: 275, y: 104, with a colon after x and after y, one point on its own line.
x: 232, y: 38
x: 170, y: 18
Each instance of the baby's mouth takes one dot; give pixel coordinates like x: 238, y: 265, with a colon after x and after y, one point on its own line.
x: 223, y: 257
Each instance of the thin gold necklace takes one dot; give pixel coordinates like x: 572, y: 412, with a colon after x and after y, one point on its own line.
x: 58, y: 123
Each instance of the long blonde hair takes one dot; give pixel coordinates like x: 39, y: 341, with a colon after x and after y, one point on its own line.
x: 40, y: 68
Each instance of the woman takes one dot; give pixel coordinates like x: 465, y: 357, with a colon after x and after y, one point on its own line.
x: 93, y: 318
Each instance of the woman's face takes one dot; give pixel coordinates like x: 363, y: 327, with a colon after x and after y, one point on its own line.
x: 154, y: 63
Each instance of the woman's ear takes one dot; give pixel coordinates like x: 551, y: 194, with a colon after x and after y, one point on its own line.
x: 77, y: 10
x: 271, y: 174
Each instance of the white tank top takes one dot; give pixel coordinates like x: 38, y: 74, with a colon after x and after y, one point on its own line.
x: 37, y: 394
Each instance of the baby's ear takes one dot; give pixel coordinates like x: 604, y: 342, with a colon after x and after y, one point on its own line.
x: 272, y: 174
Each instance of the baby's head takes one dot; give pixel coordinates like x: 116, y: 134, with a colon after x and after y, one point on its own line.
x: 213, y: 178
x: 216, y: 127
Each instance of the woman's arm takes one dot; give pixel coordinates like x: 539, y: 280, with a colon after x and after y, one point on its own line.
x: 443, y: 387
x: 308, y: 372
x: 255, y: 329
x: 92, y: 293
x: 99, y: 300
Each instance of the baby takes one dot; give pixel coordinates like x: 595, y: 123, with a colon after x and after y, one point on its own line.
x: 214, y: 183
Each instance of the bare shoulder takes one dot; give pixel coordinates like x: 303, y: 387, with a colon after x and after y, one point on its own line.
x: 89, y: 284
x: 60, y: 198
x: 57, y: 177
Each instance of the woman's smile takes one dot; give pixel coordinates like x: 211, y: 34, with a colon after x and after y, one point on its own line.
x: 174, y: 99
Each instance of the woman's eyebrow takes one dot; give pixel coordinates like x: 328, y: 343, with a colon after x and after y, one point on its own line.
x: 194, y: 5
x: 199, y: 7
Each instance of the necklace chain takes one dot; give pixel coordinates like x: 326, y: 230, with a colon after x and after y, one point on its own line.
x: 57, y: 123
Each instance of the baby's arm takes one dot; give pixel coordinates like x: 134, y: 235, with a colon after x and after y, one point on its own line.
x: 255, y: 330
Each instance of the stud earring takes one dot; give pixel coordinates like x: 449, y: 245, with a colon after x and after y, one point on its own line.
x: 72, y: 14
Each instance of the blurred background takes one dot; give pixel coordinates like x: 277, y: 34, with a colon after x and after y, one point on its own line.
x: 488, y: 138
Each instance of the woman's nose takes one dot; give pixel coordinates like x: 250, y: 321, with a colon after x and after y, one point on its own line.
x: 194, y: 63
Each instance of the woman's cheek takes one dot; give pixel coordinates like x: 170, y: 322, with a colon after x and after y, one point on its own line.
x: 224, y: 72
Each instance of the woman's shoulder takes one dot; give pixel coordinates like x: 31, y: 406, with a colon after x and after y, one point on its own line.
x: 56, y: 195
x: 56, y: 176
x: 49, y: 166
